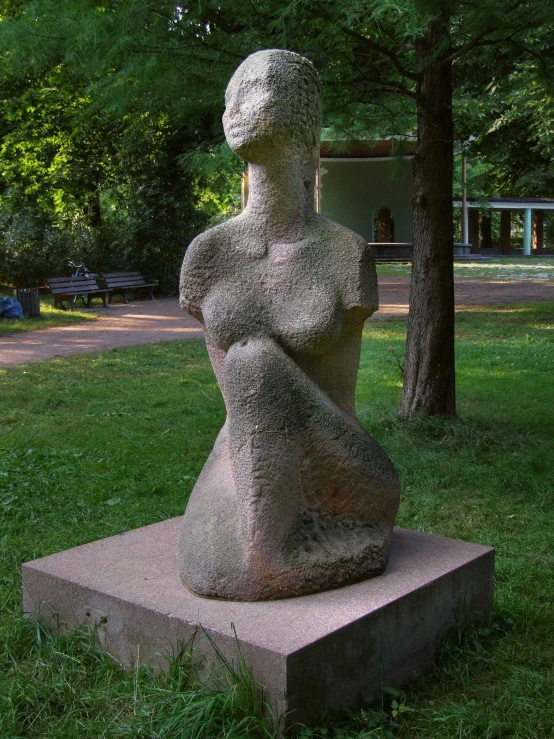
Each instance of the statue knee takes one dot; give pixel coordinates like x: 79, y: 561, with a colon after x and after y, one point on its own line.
x: 254, y: 357
x: 256, y: 368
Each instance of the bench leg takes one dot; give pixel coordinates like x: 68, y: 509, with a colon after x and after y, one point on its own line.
x: 151, y: 291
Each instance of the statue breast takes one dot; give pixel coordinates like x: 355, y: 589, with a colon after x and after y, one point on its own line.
x: 288, y: 294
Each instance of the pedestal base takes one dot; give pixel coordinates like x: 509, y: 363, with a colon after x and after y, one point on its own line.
x: 313, y: 654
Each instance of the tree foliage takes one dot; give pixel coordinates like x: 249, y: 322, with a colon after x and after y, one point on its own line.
x: 444, y: 68
x: 85, y: 179
x: 512, y: 130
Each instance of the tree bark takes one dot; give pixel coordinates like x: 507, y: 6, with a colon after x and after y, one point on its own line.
x: 429, y: 373
x: 95, y: 208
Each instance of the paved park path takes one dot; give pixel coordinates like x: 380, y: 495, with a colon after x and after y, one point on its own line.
x: 162, y: 320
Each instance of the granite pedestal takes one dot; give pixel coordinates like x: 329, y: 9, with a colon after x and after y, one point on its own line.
x: 314, y: 653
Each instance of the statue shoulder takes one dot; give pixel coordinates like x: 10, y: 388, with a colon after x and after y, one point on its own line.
x: 355, y: 261
x: 206, y: 245
x: 202, y: 265
x: 346, y: 240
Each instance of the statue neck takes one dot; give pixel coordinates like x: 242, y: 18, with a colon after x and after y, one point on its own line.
x: 280, y: 198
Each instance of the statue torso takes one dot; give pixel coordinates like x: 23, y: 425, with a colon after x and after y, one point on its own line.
x: 299, y: 294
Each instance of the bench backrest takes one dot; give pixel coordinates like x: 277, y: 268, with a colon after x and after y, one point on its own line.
x: 74, y: 285
x: 116, y: 280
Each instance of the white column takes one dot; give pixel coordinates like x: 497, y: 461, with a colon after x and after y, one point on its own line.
x: 527, y: 233
x: 465, y: 226
x: 465, y: 217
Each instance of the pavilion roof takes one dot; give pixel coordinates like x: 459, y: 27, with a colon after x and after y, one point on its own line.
x: 509, y: 203
x: 368, y: 149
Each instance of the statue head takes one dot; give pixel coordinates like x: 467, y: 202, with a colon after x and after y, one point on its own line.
x: 273, y: 105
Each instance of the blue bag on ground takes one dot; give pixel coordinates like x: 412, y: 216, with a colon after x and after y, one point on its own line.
x: 10, y: 308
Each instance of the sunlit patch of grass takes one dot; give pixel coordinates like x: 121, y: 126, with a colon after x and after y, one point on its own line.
x: 49, y: 316
x: 502, y: 269
x: 394, y: 270
x: 506, y: 269
x: 92, y: 446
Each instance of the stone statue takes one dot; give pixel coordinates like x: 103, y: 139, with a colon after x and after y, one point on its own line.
x: 295, y: 497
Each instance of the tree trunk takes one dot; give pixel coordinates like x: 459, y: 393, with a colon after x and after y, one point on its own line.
x: 95, y: 209
x: 429, y: 374
x: 92, y: 208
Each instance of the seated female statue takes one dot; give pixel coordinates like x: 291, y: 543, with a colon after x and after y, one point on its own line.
x: 295, y: 497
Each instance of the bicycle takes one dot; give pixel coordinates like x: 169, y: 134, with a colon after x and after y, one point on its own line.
x: 80, y: 270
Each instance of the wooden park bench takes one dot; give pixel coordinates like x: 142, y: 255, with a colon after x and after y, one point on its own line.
x: 68, y: 289
x: 124, y: 282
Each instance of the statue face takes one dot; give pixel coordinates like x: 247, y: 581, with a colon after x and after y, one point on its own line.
x: 273, y: 107
x: 256, y: 118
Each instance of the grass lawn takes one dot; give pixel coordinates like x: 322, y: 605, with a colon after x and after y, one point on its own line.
x: 92, y: 446
x: 495, y: 268
x: 49, y: 316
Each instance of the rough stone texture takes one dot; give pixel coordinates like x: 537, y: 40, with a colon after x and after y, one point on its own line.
x: 313, y: 653
x: 296, y: 497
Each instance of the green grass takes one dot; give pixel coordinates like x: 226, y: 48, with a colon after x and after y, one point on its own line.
x: 496, y: 268
x: 65, y: 686
x: 49, y: 316
x: 90, y: 448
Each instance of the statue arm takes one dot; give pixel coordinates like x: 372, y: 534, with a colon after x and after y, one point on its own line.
x: 360, y: 293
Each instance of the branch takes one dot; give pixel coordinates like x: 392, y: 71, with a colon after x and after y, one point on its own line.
x: 477, y: 43
x: 177, y: 51
x: 374, y: 46
x: 258, y: 12
x: 383, y: 51
x: 393, y: 86
x: 481, y: 39
x: 515, y: 6
x: 381, y: 86
x: 42, y: 35
x: 526, y: 50
x: 198, y: 38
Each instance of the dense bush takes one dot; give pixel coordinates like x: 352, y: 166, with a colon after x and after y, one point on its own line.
x: 31, y: 249
x: 145, y: 230
x: 115, y: 192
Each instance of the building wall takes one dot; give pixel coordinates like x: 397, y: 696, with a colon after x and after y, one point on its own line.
x: 352, y: 192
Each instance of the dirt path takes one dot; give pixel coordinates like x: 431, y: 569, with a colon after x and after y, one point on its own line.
x: 119, y: 325
x: 162, y: 320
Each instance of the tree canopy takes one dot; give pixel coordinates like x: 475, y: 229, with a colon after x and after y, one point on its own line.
x: 144, y: 136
